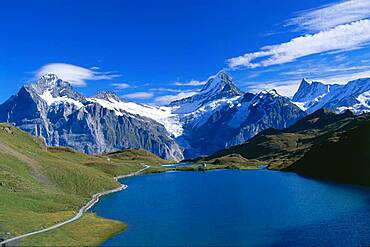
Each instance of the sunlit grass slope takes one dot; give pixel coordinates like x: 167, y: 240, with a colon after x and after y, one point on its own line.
x: 40, y: 186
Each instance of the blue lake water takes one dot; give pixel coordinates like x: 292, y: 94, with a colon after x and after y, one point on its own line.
x: 239, y: 208
x: 177, y: 165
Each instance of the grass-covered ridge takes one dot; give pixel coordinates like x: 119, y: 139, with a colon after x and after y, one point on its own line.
x: 41, y: 186
x: 322, y: 145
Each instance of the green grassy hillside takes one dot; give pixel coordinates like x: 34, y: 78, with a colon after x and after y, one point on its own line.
x: 322, y: 145
x: 40, y: 186
x: 281, y: 148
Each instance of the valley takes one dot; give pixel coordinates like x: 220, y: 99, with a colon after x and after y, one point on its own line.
x: 44, y: 181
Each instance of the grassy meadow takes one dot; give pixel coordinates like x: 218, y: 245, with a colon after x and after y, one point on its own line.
x: 41, y: 186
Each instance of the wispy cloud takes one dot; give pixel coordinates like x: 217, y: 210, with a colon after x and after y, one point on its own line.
x: 335, y: 27
x: 139, y: 95
x: 169, y: 98
x: 323, y: 53
x: 76, y: 75
x: 120, y: 86
x: 331, y: 15
x: 340, y: 38
x: 318, y: 69
x: 190, y: 83
x: 342, y: 78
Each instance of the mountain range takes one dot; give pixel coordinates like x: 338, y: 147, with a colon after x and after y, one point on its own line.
x: 354, y: 96
x: 218, y: 116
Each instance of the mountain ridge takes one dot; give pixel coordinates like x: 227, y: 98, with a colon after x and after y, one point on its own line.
x: 219, y: 116
x: 52, y: 110
x: 354, y: 96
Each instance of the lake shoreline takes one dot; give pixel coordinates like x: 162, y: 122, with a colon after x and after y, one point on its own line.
x: 195, y: 168
x: 81, y: 212
x: 156, y: 188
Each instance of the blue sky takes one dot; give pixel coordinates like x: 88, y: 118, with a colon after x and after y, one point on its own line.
x: 157, y: 51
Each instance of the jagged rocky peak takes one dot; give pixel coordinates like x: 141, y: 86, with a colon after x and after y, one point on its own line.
x: 310, y: 90
x: 52, y: 110
x: 271, y: 92
x: 217, y: 87
x: 50, y: 86
x: 268, y: 98
x: 51, y: 81
x: 221, y: 82
x: 108, y: 96
x: 267, y: 94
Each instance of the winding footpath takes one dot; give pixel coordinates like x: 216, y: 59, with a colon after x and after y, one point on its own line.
x: 95, y: 198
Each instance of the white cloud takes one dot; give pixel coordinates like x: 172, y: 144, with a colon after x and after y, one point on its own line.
x: 342, y: 78
x: 340, y: 38
x: 331, y: 15
x: 190, y: 83
x: 320, y: 69
x: 169, y: 98
x: 74, y: 74
x: 120, y: 86
x: 139, y: 95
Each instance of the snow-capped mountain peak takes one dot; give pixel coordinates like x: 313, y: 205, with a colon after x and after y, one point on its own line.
x: 55, y: 91
x: 52, y: 110
x: 308, y: 91
x: 219, y: 88
x: 51, y: 81
x: 354, y: 96
x: 219, y: 84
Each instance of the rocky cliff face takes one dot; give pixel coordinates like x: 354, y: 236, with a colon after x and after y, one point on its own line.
x: 353, y: 96
x: 220, y: 115
x: 52, y: 110
x: 309, y: 91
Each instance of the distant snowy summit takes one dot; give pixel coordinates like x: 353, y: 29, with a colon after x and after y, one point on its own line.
x: 218, y: 116
x: 353, y: 96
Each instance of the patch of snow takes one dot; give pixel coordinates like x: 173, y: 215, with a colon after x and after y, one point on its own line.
x: 162, y: 115
x: 364, y: 99
x: 301, y: 105
x: 364, y: 103
x: 107, y: 104
x: 202, y: 114
x: 344, y: 108
x: 50, y: 100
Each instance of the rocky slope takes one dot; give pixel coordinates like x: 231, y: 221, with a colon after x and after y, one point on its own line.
x: 220, y: 115
x: 354, y: 96
x: 52, y: 110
